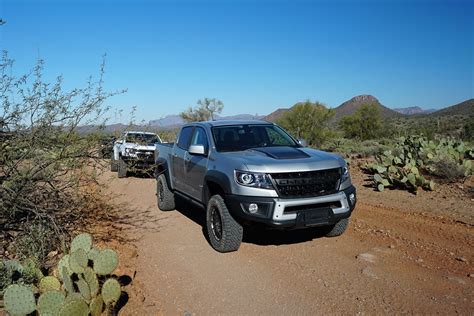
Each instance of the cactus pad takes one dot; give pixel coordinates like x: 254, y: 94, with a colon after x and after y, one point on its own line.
x: 49, y: 283
x: 93, y: 253
x: 78, y: 260
x: 111, y: 291
x: 84, y: 289
x: 96, y: 306
x: 64, y: 262
x: 82, y: 241
x: 50, y: 302
x: 67, y: 282
x: 91, y: 278
x: 19, y: 300
x: 106, y: 262
x: 74, y: 307
x: 74, y: 296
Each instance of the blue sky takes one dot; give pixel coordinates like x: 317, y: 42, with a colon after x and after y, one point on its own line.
x: 255, y: 56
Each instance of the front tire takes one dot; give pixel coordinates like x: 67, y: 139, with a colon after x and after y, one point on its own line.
x: 224, y: 232
x: 122, y: 168
x: 338, y: 229
x: 113, y: 164
x: 164, y: 196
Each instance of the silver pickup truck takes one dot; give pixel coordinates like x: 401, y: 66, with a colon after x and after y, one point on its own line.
x: 245, y: 172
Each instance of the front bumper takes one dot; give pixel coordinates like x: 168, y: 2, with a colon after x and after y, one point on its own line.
x: 295, y: 213
x: 139, y: 163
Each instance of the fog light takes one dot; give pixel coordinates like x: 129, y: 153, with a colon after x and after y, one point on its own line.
x: 253, y: 208
x: 352, y: 198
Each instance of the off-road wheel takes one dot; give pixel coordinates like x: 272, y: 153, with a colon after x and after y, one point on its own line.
x: 164, y: 196
x: 224, y: 232
x: 338, y: 229
x: 113, y: 164
x: 122, y: 168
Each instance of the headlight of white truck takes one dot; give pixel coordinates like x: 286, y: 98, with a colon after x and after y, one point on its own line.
x: 253, y: 179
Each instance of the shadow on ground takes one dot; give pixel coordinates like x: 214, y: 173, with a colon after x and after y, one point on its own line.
x: 256, y: 234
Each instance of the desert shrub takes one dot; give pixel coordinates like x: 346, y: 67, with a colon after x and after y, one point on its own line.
x: 448, y: 169
x: 46, y: 167
x: 365, y: 123
x: 309, y: 121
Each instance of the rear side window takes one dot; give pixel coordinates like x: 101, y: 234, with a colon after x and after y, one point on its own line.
x: 185, y: 137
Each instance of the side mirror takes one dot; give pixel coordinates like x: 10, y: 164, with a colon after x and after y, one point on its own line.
x: 302, y: 142
x: 197, y: 150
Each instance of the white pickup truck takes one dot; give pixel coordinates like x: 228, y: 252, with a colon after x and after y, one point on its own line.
x: 134, y: 151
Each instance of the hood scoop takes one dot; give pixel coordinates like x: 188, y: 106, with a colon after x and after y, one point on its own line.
x: 282, y: 152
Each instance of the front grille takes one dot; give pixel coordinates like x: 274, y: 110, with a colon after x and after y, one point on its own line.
x: 307, y: 184
x: 146, y: 155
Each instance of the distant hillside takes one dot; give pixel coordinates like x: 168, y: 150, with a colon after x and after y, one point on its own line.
x: 350, y: 107
x: 275, y: 115
x: 413, y: 110
x: 463, y: 108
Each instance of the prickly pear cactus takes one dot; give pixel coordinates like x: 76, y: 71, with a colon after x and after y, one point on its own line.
x: 19, y: 300
x: 73, y: 296
x: 82, y: 241
x: 74, y: 307
x: 63, y: 263
x: 91, y: 278
x: 50, y: 302
x: 106, y: 262
x: 84, y: 289
x: 93, y: 253
x: 78, y: 260
x: 111, y: 291
x: 96, y: 306
x: 67, y: 282
x: 49, y: 283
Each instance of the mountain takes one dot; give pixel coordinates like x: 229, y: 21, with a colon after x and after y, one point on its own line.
x: 463, y: 108
x: 351, y: 106
x: 412, y: 110
x: 275, y: 115
x: 167, y: 121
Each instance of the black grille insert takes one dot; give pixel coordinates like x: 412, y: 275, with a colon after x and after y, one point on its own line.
x: 307, y: 184
x: 312, y: 207
x: 148, y: 155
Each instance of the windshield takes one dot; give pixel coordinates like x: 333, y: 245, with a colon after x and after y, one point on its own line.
x: 140, y: 138
x: 242, y: 137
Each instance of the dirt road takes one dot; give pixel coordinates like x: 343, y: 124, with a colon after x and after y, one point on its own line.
x: 391, y: 260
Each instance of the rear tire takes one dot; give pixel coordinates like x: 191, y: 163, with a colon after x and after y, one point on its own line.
x: 224, y: 232
x: 164, y: 196
x: 338, y: 229
x: 122, y: 168
x: 113, y: 164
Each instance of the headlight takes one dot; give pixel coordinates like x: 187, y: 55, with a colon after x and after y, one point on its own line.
x: 345, y: 174
x: 130, y: 151
x: 253, y: 179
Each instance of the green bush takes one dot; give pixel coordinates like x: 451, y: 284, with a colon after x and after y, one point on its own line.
x: 308, y: 121
x: 365, y: 123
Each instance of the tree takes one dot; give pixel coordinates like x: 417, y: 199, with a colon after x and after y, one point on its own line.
x: 46, y: 168
x: 204, y: 111
x: 365, y: 123
x: 309, y: 121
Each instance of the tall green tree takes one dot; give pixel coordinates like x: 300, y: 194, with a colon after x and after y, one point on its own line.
x: 309, y: 121
x: 204, y: 111
x: 365, y: 123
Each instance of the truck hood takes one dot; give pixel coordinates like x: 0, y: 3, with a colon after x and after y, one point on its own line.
x: 140, y: 147
x: 285, y: 159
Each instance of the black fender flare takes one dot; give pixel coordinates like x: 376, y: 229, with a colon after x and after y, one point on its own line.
x: 218, y: 178
x: 161, y: 167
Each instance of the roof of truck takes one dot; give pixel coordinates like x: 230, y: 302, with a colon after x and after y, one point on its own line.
x: 235, y: 122
x: 139, y: 132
